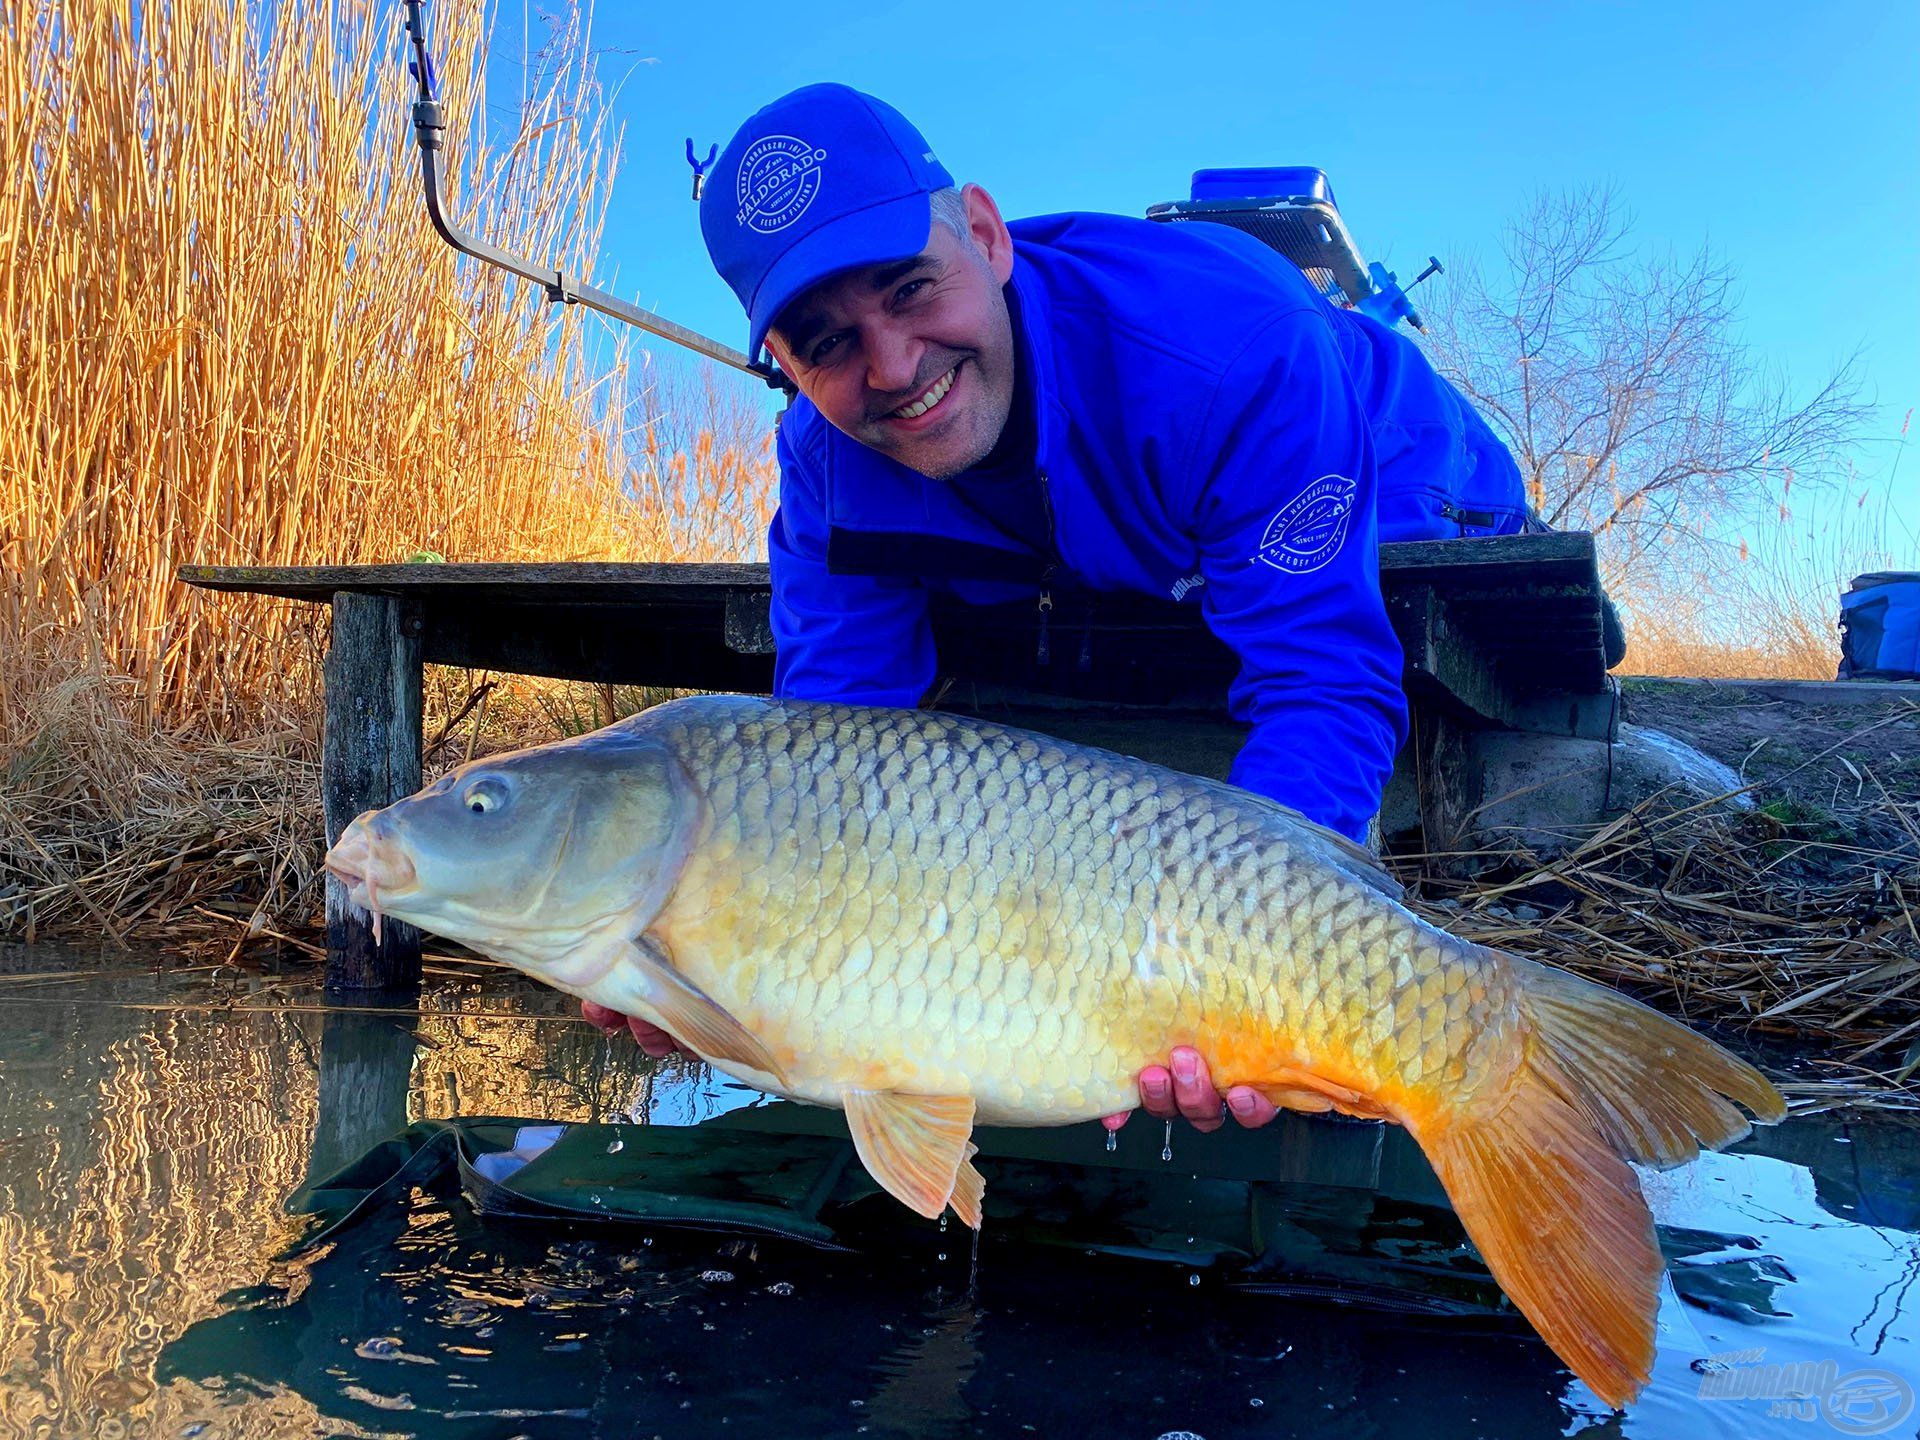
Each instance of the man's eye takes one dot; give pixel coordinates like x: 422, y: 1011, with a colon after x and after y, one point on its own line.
x: 823, y: 350
x: 909, y: 290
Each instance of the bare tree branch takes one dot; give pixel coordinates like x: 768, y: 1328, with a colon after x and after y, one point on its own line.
x: 1618, y: 380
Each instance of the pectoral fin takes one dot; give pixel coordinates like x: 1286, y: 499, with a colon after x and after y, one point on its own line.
x: 692, y: 1017
x: 917, y: 1147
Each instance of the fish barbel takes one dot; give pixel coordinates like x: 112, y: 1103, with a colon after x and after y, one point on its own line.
x: 933, y: 922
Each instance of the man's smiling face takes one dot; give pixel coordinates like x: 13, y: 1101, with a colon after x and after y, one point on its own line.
x: 913, y: 358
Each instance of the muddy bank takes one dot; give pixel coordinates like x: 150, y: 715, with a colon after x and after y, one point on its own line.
x: 1830, y: 762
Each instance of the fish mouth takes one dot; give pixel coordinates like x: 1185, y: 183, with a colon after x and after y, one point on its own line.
x: 372, y: 874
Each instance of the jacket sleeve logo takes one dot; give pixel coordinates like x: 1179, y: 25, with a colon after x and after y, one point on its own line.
x: 779, y: 178
x: 1310, y: 528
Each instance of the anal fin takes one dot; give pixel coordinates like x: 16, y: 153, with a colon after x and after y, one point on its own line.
x: 918, y: 1147
x: 969, y: 1191
x: 692, y: 1017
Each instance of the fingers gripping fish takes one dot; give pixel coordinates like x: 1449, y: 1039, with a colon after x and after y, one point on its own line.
x: 933, y: 922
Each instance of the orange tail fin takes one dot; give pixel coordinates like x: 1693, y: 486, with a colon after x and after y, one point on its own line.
x: 1539, y: 1175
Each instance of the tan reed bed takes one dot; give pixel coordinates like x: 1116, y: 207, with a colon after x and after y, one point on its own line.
x: 1737, y: 920
x: 229, y: 336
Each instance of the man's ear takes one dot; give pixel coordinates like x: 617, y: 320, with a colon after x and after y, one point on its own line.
x: 989, y: 232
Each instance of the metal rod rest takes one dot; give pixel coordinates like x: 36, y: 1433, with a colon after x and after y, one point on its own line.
x: 429, y: 123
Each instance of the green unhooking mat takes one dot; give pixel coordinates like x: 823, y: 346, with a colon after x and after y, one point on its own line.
x: 499, y: 1277
x: 1345, y: 1212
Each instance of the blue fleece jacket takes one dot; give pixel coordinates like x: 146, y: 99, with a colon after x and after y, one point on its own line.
x: 1208, y: 429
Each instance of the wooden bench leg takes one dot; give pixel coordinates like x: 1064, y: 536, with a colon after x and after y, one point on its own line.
x: 370, y: 757
x: 1449, y: 779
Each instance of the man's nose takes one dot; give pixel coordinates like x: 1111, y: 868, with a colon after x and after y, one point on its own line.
x: 893, y: 361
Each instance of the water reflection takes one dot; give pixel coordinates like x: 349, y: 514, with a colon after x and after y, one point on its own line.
x: 366, y: 1079
x: 151, y: 1126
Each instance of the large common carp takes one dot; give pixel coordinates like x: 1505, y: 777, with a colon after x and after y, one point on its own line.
x: 933, y: 922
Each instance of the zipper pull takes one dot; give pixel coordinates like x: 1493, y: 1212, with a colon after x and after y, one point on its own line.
x: 1043, y: 651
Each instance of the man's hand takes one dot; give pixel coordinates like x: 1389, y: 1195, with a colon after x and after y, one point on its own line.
x: 651, y: 1038
x: 1184, y: 1088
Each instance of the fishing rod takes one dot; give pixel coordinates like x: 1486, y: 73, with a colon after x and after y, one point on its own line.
x: 429, y: 125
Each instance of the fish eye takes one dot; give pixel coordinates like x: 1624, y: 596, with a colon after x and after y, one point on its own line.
x: 484, y: 795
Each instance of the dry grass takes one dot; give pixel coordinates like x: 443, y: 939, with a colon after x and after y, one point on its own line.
x: 1764, y: 601
x: 231, y: 337
x: 1801, y: 926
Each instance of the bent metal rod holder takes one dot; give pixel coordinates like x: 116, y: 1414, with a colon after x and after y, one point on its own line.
x: 429, y: 126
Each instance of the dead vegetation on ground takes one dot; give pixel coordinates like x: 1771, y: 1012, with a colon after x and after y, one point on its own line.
x: 1773, y: 923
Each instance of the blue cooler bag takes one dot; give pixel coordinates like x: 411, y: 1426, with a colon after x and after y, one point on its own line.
x: 1880, y: 627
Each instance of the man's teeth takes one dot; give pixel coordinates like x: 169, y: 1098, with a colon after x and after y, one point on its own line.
x: 933, y: 397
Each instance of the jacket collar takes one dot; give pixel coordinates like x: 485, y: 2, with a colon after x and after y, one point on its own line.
x: 1032, y: 311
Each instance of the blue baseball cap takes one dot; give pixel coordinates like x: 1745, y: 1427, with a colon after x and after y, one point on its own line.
x: 824, y: 179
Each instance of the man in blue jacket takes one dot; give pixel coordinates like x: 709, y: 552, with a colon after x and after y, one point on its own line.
x: 1006, y: 411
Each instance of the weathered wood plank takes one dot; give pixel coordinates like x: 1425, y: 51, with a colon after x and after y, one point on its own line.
x: 1562, y: 557
x: 1448, y: 779
x: 607, y: 582
x: 1525, y: 608
x: 370, y: 757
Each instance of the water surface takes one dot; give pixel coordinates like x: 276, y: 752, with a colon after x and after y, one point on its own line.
x: 153, y: 1121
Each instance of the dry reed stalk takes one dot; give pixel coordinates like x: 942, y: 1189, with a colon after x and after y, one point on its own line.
x: 1733, y: 918
x: 230, y: 336
x: 1764, y: 603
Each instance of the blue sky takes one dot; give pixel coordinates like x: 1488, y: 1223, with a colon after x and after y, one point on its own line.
x: 1785, y: 134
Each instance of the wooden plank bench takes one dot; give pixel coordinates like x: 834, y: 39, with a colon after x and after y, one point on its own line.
x: 1501, y: 633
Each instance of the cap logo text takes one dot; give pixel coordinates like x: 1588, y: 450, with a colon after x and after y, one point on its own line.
x: 779, y: 178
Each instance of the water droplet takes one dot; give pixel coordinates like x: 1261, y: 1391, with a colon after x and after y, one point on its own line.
x: 379, y: 1347
x: 1113, y: 1141
x: 616, y: 1146
x: 943, y: 1222
x: 1193, y: 1279
x: 716, y: 1277
x: 1166, y: 1144
x: 943, y: 1254
x: 780, y: 1287
x: 1256, y: 1402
